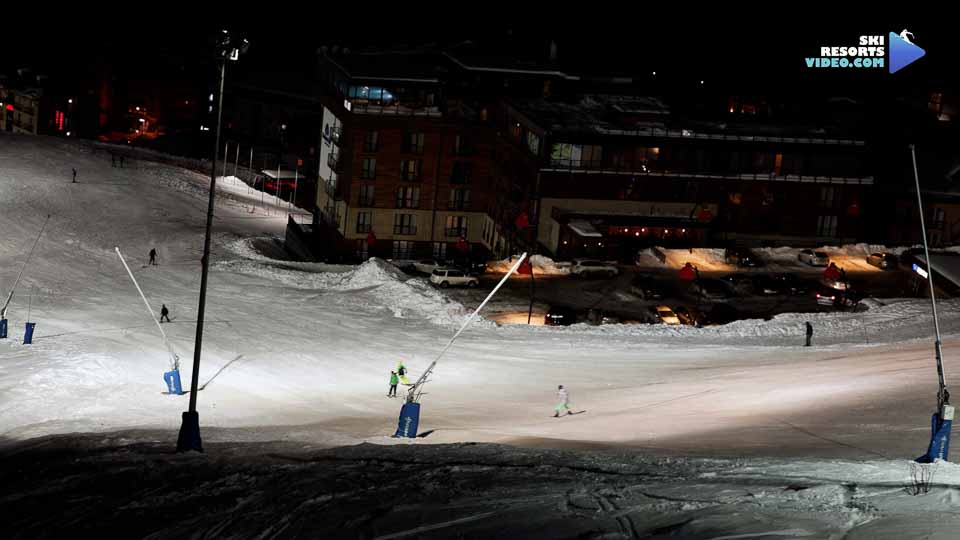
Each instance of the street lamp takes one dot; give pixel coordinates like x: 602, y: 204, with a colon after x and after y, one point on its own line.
x: 189, y: 438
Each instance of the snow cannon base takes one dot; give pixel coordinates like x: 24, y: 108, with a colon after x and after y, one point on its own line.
x: 3, y: 328
x: 189, y: 437
x: 172, y: 378
x: 409, y: 421
x: 28, y: 333
x: 939, y: 436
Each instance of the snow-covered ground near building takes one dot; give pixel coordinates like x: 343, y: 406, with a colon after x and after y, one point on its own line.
x: 780, y: 259
x: 302, y: 352
x: 541, y: 264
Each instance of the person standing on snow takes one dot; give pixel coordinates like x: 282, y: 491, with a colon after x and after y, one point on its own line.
x: 164, y: 313
x: 809, y: 333
x: 153, y: 256
x: 393, y: 384
x: 74, y: 176
x: 563, y: 400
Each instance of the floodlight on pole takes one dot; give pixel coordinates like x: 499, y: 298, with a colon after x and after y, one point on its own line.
x: 189, y: 437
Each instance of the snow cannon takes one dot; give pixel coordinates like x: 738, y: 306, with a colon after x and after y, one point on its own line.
x: 940, y: 425
x: 28, y: 333
x: 3, y: 328
x: 172, y: 378
x: 409, y: 420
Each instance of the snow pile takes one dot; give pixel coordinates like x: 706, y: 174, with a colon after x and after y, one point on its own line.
x: 244, y: 247
x: 374, y: 284
x: 706, y: 259
x: 541, y: 264
x: 886, y: 321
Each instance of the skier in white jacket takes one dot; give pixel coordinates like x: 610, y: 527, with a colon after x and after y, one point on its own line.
x: 563, y: 402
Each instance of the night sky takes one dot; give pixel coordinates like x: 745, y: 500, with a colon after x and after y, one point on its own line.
x: 731, y: 52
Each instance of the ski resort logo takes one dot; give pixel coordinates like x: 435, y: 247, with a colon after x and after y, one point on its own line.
x: 902, y: 50
x: 870, y: 52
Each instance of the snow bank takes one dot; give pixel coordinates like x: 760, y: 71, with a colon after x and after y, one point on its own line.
x: 884, y: 321
x: 541, y: 264
x: 374, y: 284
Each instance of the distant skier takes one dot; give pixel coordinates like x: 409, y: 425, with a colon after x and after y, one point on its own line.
x: 164, y: 313
x: 74, y: 176
x: 153, y: 256
x: 809, y: 333
x: 393, y: 384
x: 563, y: 400
x: 402, y: 373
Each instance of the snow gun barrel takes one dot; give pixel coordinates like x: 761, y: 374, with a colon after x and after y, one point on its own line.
x: 413, y: 395
x: 6, y: 304
x: 174, y: 359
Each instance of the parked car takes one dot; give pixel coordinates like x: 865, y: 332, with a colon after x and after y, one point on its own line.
x: 739, y: 282
x: 427, y: 266
x: 827, y: 296
x: 742, y: 257
x: 791, y: 284
x: 445, y: 277
x: 712, y: 289
x: 690, y: 316
x: 560, y: 316
x: 598, y: 316
x: 647, y: 288
x: 767, y: 286
x: 665, y: 315
x: 813, y: 258
x: 593, y: 268
x: 723, y: 314
x: 883, y: 261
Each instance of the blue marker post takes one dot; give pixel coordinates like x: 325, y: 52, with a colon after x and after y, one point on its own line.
x: 3, y: 329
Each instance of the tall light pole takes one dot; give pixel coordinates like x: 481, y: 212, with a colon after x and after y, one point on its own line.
x: 189, y: 437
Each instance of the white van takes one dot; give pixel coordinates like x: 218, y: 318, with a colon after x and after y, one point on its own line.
x: 445, y: 277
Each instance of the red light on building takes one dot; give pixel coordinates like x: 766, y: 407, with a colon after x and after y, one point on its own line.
x: 9, y: 107
x: 59, y: 120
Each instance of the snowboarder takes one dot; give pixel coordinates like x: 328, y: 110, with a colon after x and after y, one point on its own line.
x: 393, y: 384
x: 564, y: 402
x: 809, y: 333
x: 164, y: 313
x: 153, y: 256
x: 74, y: 176
x: 402, y: 373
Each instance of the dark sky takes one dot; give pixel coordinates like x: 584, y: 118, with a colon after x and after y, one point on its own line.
x: 726, y: 49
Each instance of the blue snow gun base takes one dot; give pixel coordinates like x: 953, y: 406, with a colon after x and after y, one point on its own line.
x: 172, y: 378
x: 940, y: 425
x: 409, y: 421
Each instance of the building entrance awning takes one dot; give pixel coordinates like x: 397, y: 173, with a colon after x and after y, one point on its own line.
x: 584, y: 228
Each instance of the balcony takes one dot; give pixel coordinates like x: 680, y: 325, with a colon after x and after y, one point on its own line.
x: 333, y: 161
x: 405, y: 230
x: 459, y: 205
x: 456, y: 232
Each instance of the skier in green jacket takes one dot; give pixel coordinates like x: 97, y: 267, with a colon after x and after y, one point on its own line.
x: 393, y: 384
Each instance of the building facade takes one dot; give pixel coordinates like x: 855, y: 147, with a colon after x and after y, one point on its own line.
x: 404, y: 172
